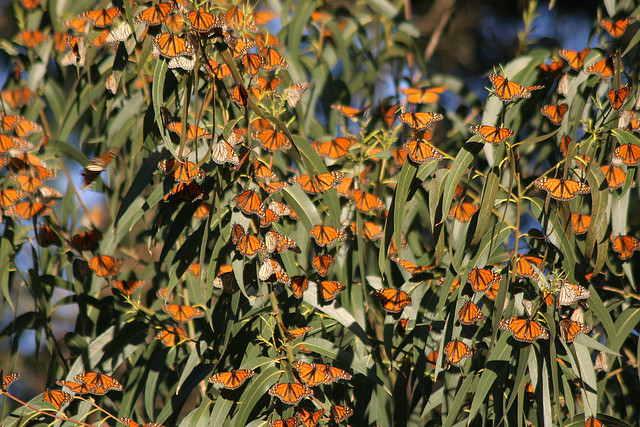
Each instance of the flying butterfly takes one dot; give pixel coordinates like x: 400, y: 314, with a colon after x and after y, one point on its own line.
x: 603, y: 68
x: 470, y: 313
x: 627, y: 154
x: 101, y: 18
x: 481, y: 279
x: 616, y: 28
x: 334, y: 148
x: 31, y: 39
x: 423, y: 96
x: 561, y: 189
x: 456, y: 351
x: 186, y: 192
x: 392, y: 300
x: 57, y: 398
x: 624, y: 246
x: 183, y: 171
x: 10, y: 197
x: 420, y: 121
x: 555, y: 113
x: 193, y: 132
x: 17, y: 97
x: 233, y: 379
x: 525, y: 330
x: 552, y: 69
x: 78, y: 388
x: 352, y: 113
x: 97, y: 165
x: 290, y: 393
x: 182, y: 313
x: 412, y: 268
x: 237, y: 20
x: 508, y: 91
x: 329, y: 289
x: 86, y: 240
x: 98, y: 383
x: 492, y: 134
x: 127, y: 286
x: 105, y: 265
x: 617, y: 97
x: 573, y: 58
x: 47, y: 237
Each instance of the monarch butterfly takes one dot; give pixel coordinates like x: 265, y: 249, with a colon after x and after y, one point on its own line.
x: 370, y: 230
x: 365, y: 202
x: 183, y: 171
x: 552, y: 69
x: 17, y: 97
x: 628, y: 154
x: 492, y: 134
x: 325, y: 235
x: 10, y: 197
x: 262, y: 171
x: 570, y: 293
x: 231, y: 380
x: 276, y: 242
x: 239, y: 45
x: 8, y: 144
x: 573, y: 58
x: 617, y: 97
x: 569, y: 330
x: 273, y: 140
x: 508, y: 91
x: 101, y: 18
x: 127, y: 287
x: 525, y: 330
x: 182, y: 313
x: 57, y: 398
x: 248, y: 202
x: 252, y: 63
x: 334, y: 148
x: 187, y: 192
x: 603, y: 68
x: 222, y: 152
x: 203, y: 21
x: 339, y: 413
x: 171, y: 336
x: 249, y: 245
x: 27, y: 183
x: 47, y: 237
x: 400, y: 155
x: 183, y: 62
x: 98, y: 383
x: 561, y: 189
x: 411, y: 267
x: 343, y: 187
x: 294, y: 93
x: 463, y: 212
x: 23, y: 128
x: 105, y: 265
x: 30, y: 4
x: 28, y: 210
x: 130, y: 423
x: 273, y: 187
x: 350, y: 112
x: 31, y: 39
x: 420, y: 121
x: 290, y: 393
x: 78, y: 388
x: 272, y: 271
x: 309, y: 419
x: 423, y: 96
x: 85, y: 241
x: 157, y: 14
x: 193, y: 132
x: 292, y: 334
x: 593, y: 422
x: 624, y: 245
x: 314, y: 184
x: 170, y: 45
x: 392, y: 300
x: 419, y: 151
x: 97, y: 165
x: 616, y: 28
x: 525, y: 266
x: 267, y: 216
x: 555, y: 113
x: 262, y: 17
x: 615, y: 176
x: 481, y: 279
x: 272, y: 59
x: 8, y: 379
x: 329, y: 289
x: 285, y: 422
x: 470, y: 313
x: 322, y: 263
x: 221, y: 71
x: 299, y: 284
x: 238, y: 21
x: 456, y: 351
x: 225, y: 279
x: 77, y: 25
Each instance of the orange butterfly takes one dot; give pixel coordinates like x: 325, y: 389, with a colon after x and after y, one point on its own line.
x: 220, y: 71
x: 187, y: 192
x: 481, y: 279
x: 366, y: 202
x: 570, y: 329
x: 628, y: 154
x: 525, y: 266
x: 157, y: 14
x: 616, y: 28
x: 372, y: 231
x: 322, y: 263
x: 580, y: 223
x: 299, y: 284
x: 555, y: 113
x: 392, y: 300
x: 170, y: 45
x: 10, y: 145
x: 350, y: 112
x: 325, y: 235
x: 233, y: 379
x: 508, y: 91
x: 463, y: 212
x: 30, y: 4
x: 267, y: 216
x: 130, y: 423
x: 47, y: 237
x: 262, y: 171
x: 290, y: 393
x: 183, y: 171
x: 309, y: 373
x: 98, y: 383
x: 552, y: 69
x: 292, y: 334
x: 225, y: 279
x: 423, y: 96
x: 23, y: 128
x: 570, y: 293
x: 339, y: 413
x: 246, y: 244
x: 525, y: 330
x: 203, y: 21
x: 252, y: 63
x: 294, y: 93
x: 561, y: 189
x: 470, y: 313
x: 314, y: 184
x: 79, y: 388
x: 10, y: 197
x: 31, y: 39
x: 388, y: 114
x: 285, y: 422
x: 127, y: 287
x: 171, y: 336
x: 101, y: 18
x: 615, y: 176
x: 237, y: 20
x: 17, y: 97
x: 8, y: 379
x: 276, y: 242
x: 593, y: 422
x: 411, y: 267
x: 239, y: 45
x: 334, y: 148
x: 97, y: 165
x: 617, y: 97
x: 624, y: 245
x: 182, y: 313
x: 573, y: 58
x: 456, y: 351
x: 105, y: 265
x: 419, y: 151
x: 248, y: 202
x: 492, y: 134
x: 329, y: 289
x: 309, y: 419
x: 603, y: 68
x: 85, y: 241
x: 420, y: 121
x: 273, y: 140
x: 193, y: 132
x: 272, y: 271
x: 400, y: 155
x: 272, y: 59
x: 28, y: 210
x: 57, y: 398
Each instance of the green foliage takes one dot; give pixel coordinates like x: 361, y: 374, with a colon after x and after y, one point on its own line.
x: 391, y: 310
